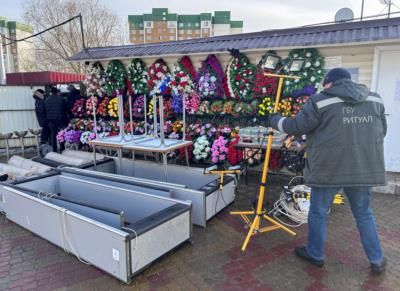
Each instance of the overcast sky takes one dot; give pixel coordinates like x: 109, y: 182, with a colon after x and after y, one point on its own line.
x: 256, y: 14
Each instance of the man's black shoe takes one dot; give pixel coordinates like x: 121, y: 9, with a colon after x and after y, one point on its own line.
x: 379, y: 269
x: 302, y: 253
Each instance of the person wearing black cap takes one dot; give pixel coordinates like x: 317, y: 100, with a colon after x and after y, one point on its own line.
x: 56, y: 109
x: 345, y: 126
x: 40, y: 110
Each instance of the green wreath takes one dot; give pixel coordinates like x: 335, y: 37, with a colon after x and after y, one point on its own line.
x: 311, y: 72
x: 115, y: 78
x: 239, y: 77
x: 137, y: 75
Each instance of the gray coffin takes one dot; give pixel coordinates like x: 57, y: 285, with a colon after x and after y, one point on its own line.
x: 207, y: 199
x: 118, y: 230
x: 205, y: 195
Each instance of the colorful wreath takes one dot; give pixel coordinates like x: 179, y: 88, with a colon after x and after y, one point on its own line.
x: 95, y: 80
x: 210, y: 78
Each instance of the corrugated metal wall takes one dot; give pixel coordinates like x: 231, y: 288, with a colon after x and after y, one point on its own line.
x: 17, y: 112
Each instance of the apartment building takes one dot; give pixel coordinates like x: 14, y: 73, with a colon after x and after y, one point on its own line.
x: 161, y: 26
x: 16, y: 57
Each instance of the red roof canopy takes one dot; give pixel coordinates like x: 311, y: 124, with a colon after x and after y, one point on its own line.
x: 42, y: 78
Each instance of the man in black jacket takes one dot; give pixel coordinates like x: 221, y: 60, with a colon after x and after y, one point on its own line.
x: 40, y: 110
x: 345, y: 126
x: 56, y: 109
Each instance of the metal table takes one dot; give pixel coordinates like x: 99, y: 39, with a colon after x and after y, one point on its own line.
x: 156, y: 146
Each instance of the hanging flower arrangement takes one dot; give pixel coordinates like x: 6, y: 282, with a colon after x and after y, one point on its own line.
x: 94, y: 80
x: 78, y: 110
x: 285, y: 107
x: 192, y: 102
x: 202, y: 148
x: 239, y: 77
x: 156, y: 72
x: 115, y: 78
x: 113, y: 108
x: 183, y: 76
x: 102, y: 109
x: 217, y: 107
x: 229, y: 107
x: 137, y: 76
x: 177, y: 103
x: 219, y: 150
x: 210, y: 78
x: 89, y: 105
x: 298, y: 104
x: 238, y: 109
x: 263, y: 85
x: 163, y: 86
x: 204, y: 108
x: 308, y: 65
x: 266, y: 106
x: 254, y: 107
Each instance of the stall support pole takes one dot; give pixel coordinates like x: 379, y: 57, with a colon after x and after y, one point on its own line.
x: 260, y: 213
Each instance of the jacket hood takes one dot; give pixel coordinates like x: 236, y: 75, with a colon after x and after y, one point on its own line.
x: 348, y: 91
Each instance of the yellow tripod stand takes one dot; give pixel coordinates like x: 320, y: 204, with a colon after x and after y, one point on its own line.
x: 260, y: 213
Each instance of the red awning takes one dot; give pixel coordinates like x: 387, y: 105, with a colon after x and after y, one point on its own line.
x: 42, y: 78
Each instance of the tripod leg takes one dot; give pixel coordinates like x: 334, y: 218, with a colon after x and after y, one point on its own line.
x: 251, y: 230
x: 273, y: 221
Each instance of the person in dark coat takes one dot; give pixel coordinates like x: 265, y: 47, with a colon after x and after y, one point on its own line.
x: 40, y: 110
x: 345, y: 126
x: 73, y: 95
x: 56, y: 111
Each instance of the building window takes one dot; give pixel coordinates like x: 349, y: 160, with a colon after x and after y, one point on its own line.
x: 172, y: 30
x: 206, y: 23
x: 181, y: 31
x: 197, y: 31
x: 189, y: 31
x: 148, y: 37
x: 164, y: 18
x: 160, y: 37
x: 141, y: 31
x: 197, y: 24
x: 171, y: 24
x: 148, y: 24
x: 180, y: 25
x: 189, y: 25
x: 148, y: 30
x: 172, y: 37
x: 205, y: 30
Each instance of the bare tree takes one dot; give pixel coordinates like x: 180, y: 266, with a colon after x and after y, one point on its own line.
x: 101, y: 28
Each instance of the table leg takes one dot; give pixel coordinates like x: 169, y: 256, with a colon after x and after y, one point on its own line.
x: 164, y: 155
x: 94, y: 157
x: 187, y: 156
x: 133, y: 164
x: 120, y: 159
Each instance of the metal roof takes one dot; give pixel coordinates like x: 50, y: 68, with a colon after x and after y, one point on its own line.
x: 314, y: 36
